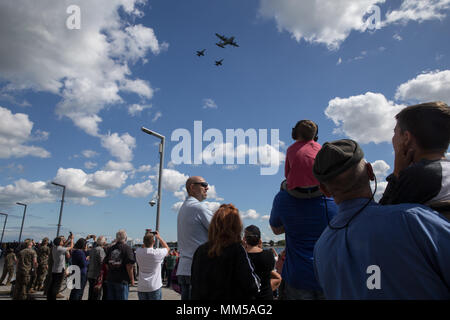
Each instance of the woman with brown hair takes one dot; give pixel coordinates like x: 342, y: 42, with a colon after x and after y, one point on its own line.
x: 221, y: 268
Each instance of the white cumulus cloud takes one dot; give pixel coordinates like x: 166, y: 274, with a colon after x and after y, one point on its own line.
x: 139, y: 190
x: 365, y: 118
x: 120, y: 146
x: 331, y: 22
x: 136, y: 109
x: 250, y: 214
x: 380, y: 168
x: 15, y: 133
x: 319, y: 21
x: 88, y: 68
x: 212, y: 205
x: 118, y: 166
x: 430, y: 86
x: 418, y: 10
x: 26, y: 191
x: 173, y: 180
x: 82, y: 185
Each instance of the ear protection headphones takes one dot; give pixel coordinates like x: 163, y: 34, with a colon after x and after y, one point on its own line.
x: 294, y: 131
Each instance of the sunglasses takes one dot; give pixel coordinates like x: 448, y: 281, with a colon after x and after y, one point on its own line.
x: 203, y: 184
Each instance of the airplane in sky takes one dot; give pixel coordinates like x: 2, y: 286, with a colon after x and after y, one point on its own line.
x: 201, y: 53
x: 219, y: 63
x: 226, y: 41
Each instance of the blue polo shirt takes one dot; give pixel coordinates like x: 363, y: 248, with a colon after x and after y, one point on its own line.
x: 386, y: 252
x: 303, y: 221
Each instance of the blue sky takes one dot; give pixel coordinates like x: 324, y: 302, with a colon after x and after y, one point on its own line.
x: 72, y: 101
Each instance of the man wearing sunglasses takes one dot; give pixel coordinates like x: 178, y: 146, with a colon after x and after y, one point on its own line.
x: 192, y: 230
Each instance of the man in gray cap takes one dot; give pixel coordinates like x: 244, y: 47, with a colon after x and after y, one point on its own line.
x: 370, y: 251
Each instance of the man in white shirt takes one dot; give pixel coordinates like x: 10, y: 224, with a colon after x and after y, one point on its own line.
x: 192, y: 230
x: 60, y: 252
x: 149, y: 261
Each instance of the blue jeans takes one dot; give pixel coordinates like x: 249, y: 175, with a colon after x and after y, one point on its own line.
x: 154, y: 295
x: 117, y: 291
x: 185, y: 284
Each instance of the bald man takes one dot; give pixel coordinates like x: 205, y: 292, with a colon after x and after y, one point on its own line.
x: 192, y: 230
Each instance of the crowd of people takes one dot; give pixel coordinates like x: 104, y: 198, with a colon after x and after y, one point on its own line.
x: 340, y: 242
x: 107, y: 269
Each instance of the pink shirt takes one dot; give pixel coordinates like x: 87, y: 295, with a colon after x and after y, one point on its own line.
x: 299, y: 164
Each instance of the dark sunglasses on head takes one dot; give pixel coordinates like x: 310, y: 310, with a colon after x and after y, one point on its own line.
x: 203, y: 184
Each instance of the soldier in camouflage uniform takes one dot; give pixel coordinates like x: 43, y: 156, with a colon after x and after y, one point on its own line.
x: 26, y: 260
x: 8, y: 267
x: 33, y: 271
x: 43, y: 255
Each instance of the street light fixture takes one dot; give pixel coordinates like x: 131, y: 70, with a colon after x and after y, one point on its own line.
x: 62, y: 204
x: 23, y: 219
x: 4, y: 225
x: 161, y: 162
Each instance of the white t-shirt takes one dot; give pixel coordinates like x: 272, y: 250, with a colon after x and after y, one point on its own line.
x: 149, y: 261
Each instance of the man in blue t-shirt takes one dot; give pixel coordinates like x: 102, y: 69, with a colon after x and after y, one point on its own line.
x: 302, y: 218
x: 370, y: 251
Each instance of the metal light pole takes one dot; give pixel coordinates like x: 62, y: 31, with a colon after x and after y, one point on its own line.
x: 161, y: 162
x: 4, y: 225
x: 23, y: 219
x: 62, y: 204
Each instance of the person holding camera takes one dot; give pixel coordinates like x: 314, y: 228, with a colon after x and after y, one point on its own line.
x: 149, y: 261
x: 60, y: 252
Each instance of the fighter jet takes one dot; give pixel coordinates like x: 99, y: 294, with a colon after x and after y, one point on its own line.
x: 226, y: 41
x: 219, y: 63
x: 201, y: 53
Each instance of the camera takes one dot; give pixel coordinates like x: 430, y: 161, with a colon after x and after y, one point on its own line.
x: 152, y: 202
x: 150, y: 231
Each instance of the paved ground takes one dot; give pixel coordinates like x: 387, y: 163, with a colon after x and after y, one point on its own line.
x: 167, y: 294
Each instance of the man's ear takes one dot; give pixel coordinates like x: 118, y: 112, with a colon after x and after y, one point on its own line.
x: 370, y: 171
x: 409, y: 141
x: 324, y: 190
